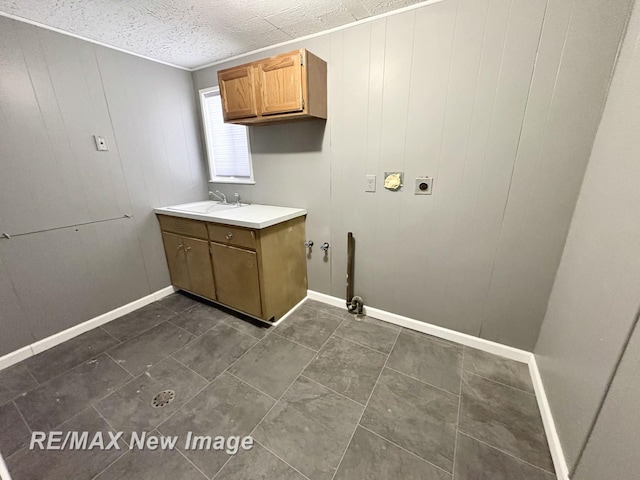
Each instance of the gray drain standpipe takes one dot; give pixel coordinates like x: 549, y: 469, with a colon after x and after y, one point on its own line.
x: 354, y: 303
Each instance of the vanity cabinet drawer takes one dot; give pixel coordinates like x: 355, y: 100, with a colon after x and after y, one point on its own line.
x: 227, y: 235
x: 183, y: 226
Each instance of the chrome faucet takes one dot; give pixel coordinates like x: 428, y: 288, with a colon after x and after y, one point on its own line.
x: 220, y: 196
x: 237, y: 195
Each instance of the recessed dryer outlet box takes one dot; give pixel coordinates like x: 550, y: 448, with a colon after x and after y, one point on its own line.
x: 424, y: 185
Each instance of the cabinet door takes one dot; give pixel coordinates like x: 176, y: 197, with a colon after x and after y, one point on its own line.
x: 281, y: 84
x: 199, y: 264
x: 236, y: 272
x: 176, y: 260
x: 237, y: 93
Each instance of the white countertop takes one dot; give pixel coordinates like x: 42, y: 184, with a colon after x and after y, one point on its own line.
x: 249, y: 216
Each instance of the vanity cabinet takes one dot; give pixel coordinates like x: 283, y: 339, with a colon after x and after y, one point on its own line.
x: 189, y: 264
x: 280, y: 89
x: 259, y: 272
x: 241, y: 286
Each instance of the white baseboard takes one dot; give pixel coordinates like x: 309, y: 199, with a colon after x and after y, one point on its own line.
x: 557, y: 454
x: 57, y: 338
x: 516, y: 354
x: 284, y: 317
x: 15, y: 357
x: 462, y: 338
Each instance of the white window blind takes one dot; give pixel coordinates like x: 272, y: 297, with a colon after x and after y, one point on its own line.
x: 227, y: 144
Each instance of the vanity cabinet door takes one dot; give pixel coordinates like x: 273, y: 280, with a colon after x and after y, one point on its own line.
x: 236, y: 273
x: 199, y: 266
x: 176, y: 260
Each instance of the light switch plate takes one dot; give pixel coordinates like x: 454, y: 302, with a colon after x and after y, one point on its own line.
x: 424, y: 186
x: 370, y: 183
x: 101, y: 143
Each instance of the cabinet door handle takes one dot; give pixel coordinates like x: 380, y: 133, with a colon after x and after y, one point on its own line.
x: 188, y: 249
x: 180, y: 246
x: 229, y: 236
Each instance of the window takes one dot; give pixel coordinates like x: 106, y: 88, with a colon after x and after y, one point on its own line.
x: 227, y: 145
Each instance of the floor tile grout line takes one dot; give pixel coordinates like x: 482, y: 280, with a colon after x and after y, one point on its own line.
x: 249, y: 385
x: 443, y: 341
x: 207, y: 385
x: 331, y: 389
x: 137, y: 335
x: 109, y: 466
x: 298, y: 343
x: 506, y: 453
x: 500, y: 383
x: 277, y: 402
x: 183, y: 329
x: 123, y: 368
x: 31, y: 375
x: 92, y: 357
x: 192, y: 463
x: 281, y: 459
x: 241, y: 331
x: 15, y: 405
x: 112, y: 336
x: 422, y: 381
x: 405, y: 450
x: 324, y: 311
x: 184, y: 404
x: 159, y: 302
x: 455, y: 445
x: 95, y: 409
x: 195, y: 337
x: 360, y: 344
x: 22, y: 393
x: 91, y: 403
x: 365, y: 406
x: 185, y: 366
x: 91, y: 406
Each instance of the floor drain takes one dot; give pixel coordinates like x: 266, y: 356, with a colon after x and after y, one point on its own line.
x: 163, y: 398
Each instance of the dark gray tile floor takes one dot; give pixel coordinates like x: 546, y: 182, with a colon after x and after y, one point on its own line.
x: 325, y: 396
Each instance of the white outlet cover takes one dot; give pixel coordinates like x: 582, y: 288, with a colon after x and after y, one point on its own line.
x: 101, y: 143
x: 424, y: 186
x: 370, y: 185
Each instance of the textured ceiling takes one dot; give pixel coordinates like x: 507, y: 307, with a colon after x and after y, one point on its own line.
x: 191, y: 33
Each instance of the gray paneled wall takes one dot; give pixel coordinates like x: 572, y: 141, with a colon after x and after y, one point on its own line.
x: 56, y: 92
x: 499, y: 101
x: 595, y: 297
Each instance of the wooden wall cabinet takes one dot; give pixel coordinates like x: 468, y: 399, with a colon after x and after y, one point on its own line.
x: 262, y: 273
x: 280, y: 89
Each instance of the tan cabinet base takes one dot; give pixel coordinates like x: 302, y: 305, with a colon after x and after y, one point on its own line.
x: 262, y: 273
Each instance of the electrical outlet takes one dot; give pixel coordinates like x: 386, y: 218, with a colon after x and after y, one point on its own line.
x: 424, y: 186
x: 101, y: 143
x: 371, y: 183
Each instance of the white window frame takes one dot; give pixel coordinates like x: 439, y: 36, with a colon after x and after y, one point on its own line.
x: 213, y: 178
